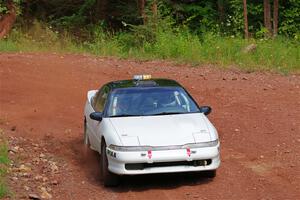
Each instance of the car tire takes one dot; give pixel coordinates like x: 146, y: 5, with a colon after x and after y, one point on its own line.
x: 210, y: 174
x: 109, y: 179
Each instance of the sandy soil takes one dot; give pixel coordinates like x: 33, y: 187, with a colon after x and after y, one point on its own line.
x: 257, y: 116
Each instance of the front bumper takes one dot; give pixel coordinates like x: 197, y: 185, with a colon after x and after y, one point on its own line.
x: 166, y: 161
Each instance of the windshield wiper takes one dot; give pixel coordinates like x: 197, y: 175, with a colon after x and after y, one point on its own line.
x: 124, y: 115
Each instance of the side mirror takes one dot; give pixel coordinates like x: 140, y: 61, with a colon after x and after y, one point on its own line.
x: 205, y: 109
x: 96, y: 116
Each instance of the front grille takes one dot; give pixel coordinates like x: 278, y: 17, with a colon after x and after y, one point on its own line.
x: 141, y: 166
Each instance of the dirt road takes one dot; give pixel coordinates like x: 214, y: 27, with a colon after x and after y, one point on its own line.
x: 257, y: 116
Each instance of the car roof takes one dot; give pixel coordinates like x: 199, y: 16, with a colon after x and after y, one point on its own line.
x: 143, y: 83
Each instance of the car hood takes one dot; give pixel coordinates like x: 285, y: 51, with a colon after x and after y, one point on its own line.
x: 163, y: 130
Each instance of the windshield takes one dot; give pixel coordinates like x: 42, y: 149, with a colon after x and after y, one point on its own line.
x: 150, y: 101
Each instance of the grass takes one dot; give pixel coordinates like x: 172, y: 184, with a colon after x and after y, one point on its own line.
x: 4, y: 161
x: 278, y: 55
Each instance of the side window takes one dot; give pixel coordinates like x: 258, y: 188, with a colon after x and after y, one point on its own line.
x: 101, y: 99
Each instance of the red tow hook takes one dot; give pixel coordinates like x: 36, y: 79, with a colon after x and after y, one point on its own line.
x: 188, y: 151
x: 149, y: 154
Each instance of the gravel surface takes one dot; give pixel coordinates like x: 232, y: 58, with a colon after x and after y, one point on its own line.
x: 41, y: 113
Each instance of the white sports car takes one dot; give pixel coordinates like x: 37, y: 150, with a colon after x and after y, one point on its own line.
x: 145, y: 126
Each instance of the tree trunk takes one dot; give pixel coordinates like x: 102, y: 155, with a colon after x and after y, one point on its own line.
x: 267, y: 17
x: 154, y: 10
x: 101, y: 9
x: 7, y: 21
x: 275, y: 18
x: 154, y: 7
x: 246, y: 19
x: 141, y: 7
x: 221, y: 11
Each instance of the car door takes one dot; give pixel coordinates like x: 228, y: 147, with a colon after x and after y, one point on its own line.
x: 98, y: 105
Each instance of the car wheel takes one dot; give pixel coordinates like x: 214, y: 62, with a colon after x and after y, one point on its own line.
x: 210, y: 174
x: 109, y: 179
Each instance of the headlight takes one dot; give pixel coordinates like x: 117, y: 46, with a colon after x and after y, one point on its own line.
x: 163, y: 148
x: 202, y: 144
x: 129, y: 148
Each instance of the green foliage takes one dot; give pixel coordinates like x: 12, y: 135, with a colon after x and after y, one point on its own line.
x: 3, y: 190
x: 184, y: 32
x: 290, y: 19
x: 261, y: 33
x: 146, y: 33
x: 199, y: 17
x: 177, y: 44
x: 8, y: 46
x: 234, y: 21
x: 277, y: 55
x: 78, y: 18
x: 39, y: 37
x: 124, y: 11
x: 3, y: 6
x: 3, y: 154
x: 4, y: 161
x: 102, y: 44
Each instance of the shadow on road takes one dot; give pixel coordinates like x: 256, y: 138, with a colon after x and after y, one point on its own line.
x: 89, y: 161
x: 159, y: 181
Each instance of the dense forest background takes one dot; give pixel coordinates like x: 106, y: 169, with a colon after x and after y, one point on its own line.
x: 191, y: 30
x: 225, y: 17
